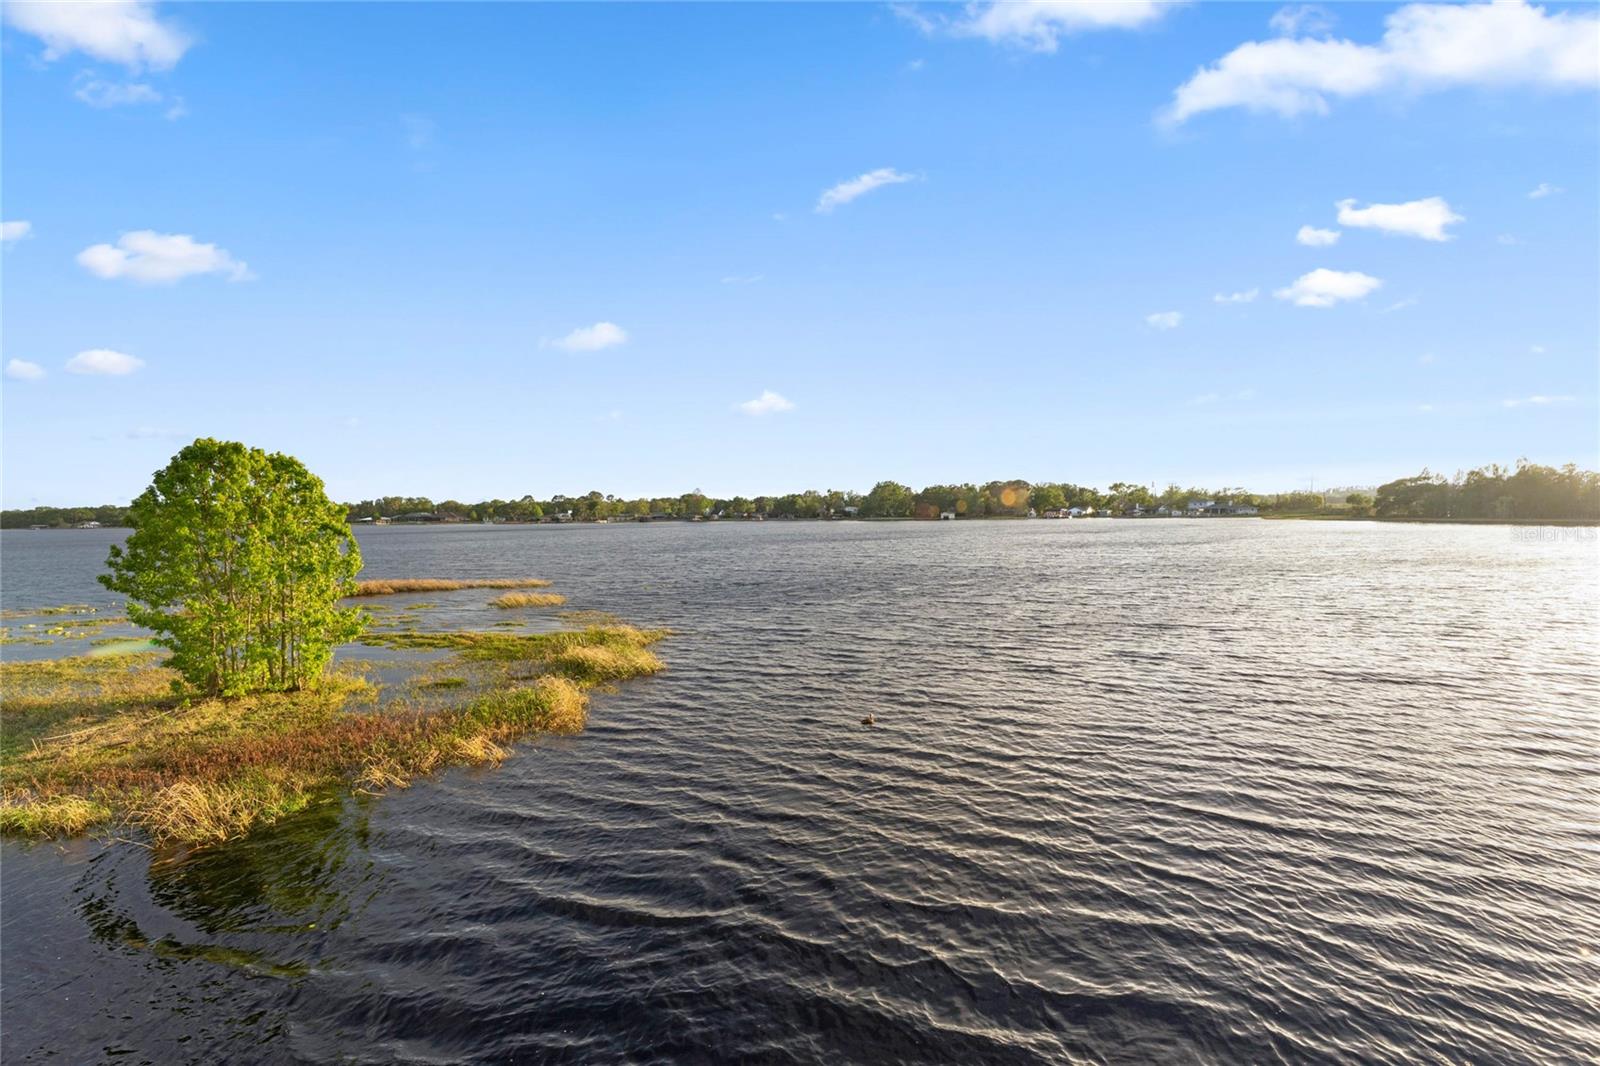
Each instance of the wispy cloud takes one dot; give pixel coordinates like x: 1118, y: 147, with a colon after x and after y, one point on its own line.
x: 1248, y: 296
x: 1401, y: 305
x: 1299, y: 20
x: 22, y: 370
x: 1538, y: 401
x: 15, y: 231
x: 846, y: 191
x: 742, y: 279
x: 126, y: 32
x: 1425, y: 47
x: 1543, y: 189
x: 592, y: 338
x: 1164, y: 320
x: 98, y: 92
x: 160, y: 258
x: 104, y: 362
x: 768, y: 403
x: 1313, y: 237
x: 1426, y: 219
x: 1324, y: 288
x: 1037, y: 26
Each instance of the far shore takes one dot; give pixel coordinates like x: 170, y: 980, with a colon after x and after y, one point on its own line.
x: 1305, y: 517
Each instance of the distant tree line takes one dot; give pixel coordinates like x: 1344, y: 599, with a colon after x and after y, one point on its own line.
x: 1528, y: 492
x: 110, y: 514
x: 1494, y: 492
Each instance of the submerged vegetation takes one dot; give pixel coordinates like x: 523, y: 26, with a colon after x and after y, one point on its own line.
x: 95, y: 742
x: 390, y: 587
x: 529, y: 599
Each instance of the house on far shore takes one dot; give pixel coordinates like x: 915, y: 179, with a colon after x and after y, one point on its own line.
x: 1225, y: 509
x: 87, y: 525
x: 947, y: 516
x: 416, y: 516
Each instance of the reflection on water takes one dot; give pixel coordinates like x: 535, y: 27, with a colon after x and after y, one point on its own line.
x: 262, y: 905
x: 1139, y: 792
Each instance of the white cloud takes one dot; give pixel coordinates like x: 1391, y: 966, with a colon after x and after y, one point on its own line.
x: 160, y: 258
x: 1425, y: 47
x: 846, y: 191
x: 1543, y: 189
x: 1205, y: 398
x: 1040, y: 25
x: 1401, y: 305
x: 742, y: 279
x: 1246, y: 297
x: 105, y: 362
x: 767, y: 403
x: 117, y: 31
x: 15, y: 231
x: 1538, y: 401
x: 22, y: 370
x: 1537, y: 349
x: 1416, y: 218
x: 1324, y: 288
x: 1164, y: 320
x: 97, y: 92
x: 1427, y: 359
x: 1507, y: 238
x: 1298, y: 19
x: 1313, y: 237
x: 592, y: 338
x: 1425, y: 407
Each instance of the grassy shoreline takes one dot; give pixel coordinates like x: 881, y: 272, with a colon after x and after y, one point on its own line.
x: 100, y: 742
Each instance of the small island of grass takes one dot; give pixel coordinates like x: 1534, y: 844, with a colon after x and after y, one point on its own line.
x: 93, y: 742
x: 240, y: 566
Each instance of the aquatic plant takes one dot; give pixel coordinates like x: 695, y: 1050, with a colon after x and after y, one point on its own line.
x: 528, y: 599
x: 94, y: 741
x: 391, y: 586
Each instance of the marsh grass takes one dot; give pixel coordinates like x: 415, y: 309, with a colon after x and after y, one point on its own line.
x: 429, y: 584
x: 90, y: 742
x: 528, y: 599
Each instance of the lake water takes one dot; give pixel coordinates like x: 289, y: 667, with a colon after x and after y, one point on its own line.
x: 1166, y: 791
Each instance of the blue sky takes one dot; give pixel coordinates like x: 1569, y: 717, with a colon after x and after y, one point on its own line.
x: 486, y: 250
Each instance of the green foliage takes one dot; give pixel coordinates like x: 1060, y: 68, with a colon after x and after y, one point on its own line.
x: 1493, y: 492
x: 64, y: 517
x: 237, y: 562
x: 888, y: 499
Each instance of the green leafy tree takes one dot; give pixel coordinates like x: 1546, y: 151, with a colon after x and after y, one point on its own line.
x: 888, y: 499
x: 1048, y: 498
x: 237, y: 561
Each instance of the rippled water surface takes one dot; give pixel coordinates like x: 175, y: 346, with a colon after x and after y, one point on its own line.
x: 1182, y: 791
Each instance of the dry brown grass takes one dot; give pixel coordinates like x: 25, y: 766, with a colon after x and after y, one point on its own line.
x: 528, y: 599
x: 432, y: 584
x: 92, y: 741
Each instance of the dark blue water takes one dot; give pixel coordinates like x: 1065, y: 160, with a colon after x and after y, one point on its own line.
x: 1185, y: 791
